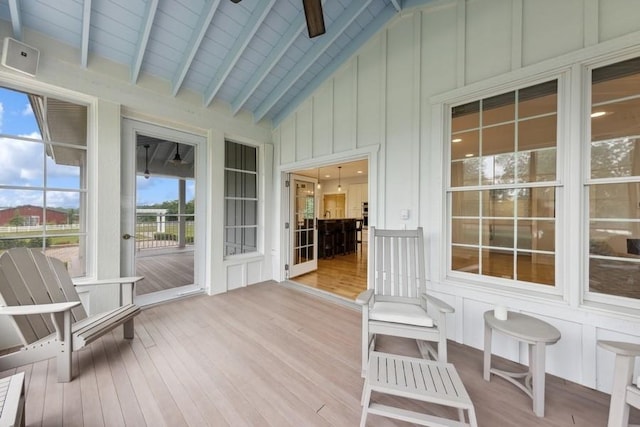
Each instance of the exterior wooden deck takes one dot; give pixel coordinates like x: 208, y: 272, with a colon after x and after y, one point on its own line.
x: 265, y: 355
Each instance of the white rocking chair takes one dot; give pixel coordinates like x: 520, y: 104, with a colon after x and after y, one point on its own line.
x: 396, y: 302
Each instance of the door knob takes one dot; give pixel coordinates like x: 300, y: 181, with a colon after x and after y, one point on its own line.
x: 127, y: 236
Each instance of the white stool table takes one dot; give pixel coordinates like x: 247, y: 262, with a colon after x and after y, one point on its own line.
x: 535, y: 332
x: 414, y: 378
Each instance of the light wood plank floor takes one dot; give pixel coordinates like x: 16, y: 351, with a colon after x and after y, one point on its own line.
x: 265, y: 355
x: 342, y: 275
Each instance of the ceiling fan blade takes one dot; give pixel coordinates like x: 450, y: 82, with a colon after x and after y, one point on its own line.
x: 314, y: 16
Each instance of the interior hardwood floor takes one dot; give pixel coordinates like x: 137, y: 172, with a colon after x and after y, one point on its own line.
x: 342, y: 275
x: 265, y: 355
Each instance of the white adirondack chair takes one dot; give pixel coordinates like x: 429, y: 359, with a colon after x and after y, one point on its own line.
x: 396, y: 301
x: 39, y: 295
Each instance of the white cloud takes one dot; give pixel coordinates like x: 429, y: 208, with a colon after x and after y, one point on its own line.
x: 28, y: 111
x: 1, y: 115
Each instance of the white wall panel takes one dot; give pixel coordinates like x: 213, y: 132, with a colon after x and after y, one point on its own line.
x: 304, y: 131
x: 288, y: 140
x: 235, y: 276
x: 254, y: 272
x: 551, y: 28
x: 618, y: 17
x: 488, y: 39
x: 370, y: 89
x: 402, y: 185
x: 344, y: 119
x: 438, y: 51
x: 323, y: 120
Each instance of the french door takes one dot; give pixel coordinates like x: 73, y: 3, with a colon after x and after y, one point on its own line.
x: 302, y: 225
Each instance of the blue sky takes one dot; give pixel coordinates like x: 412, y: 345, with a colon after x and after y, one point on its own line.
x: 21, y: 164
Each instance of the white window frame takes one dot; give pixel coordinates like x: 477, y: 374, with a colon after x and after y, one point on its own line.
x: 589, y: 298
x: 259, y: 198
x: 471, y: 94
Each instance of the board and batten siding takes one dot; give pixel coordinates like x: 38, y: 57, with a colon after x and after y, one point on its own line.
x: 384, y: 96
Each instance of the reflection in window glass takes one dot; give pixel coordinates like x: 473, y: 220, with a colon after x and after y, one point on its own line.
x: 43, y: 152
x: 613, y: 192
x: 241, y: 199
x: 502, y: 222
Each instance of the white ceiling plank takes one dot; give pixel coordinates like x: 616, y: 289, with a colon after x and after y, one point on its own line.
x: 340, y: 25
x: 397, y: 5
x: 16, y: 19
x: 86, y: 27
x: 149, y: 15
x: 270, y: 61
x: 251, y: 27
x: 196, y: 38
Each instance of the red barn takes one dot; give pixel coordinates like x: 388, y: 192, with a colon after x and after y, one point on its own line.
x: 32, y: 215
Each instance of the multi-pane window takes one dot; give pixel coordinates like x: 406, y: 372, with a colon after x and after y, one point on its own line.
x: 502, y: 188
x: 241, y: 198
x: 613, y: 187
x: 43, y: 169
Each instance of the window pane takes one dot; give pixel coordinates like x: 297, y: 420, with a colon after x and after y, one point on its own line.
x: 615, y: 158
x: 537, y: 202
x: 62, y: 213
x: 250, y: 209
x: 537, y: 133
x: 614, y: 277
x: 536, y: 268
x: 465, y: 145
x: 465, y: 173
x: 538, y: 100
x: 240, y: 184
x: 465, y: 259
x: 619, y: 120
x: 498, y: 233
x: 498, y: 169
x: 21, y: 163
x: 497, y: 263
x: 498, y: 203
x: 465, y: 117
x: 498, y: 139
x: 616, y: 81
x: 614, y: 200
x: 498, y: 109
x: 465, y: 203
x: 614, y: 238
x: 465, y: 231
x: 537, y: 235
x: 537, y: 166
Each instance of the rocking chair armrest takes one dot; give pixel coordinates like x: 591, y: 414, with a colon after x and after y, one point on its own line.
x: 20, y: 310
x: 442, y: 306
x: 365, y: 297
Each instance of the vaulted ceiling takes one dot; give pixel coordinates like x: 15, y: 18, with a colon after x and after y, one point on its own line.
x: 254, y: 55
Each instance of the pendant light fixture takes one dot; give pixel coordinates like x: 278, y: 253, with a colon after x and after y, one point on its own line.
x: 146, y: 161
x: 339, y: 186
x: 177, y: 160
x: 318, y: 180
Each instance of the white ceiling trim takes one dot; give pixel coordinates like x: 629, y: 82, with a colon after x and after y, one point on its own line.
x: 16, y: 19
x: 350, y: 14
x: 255, y: 21
x: 150, y: 14
x: 199, y: 31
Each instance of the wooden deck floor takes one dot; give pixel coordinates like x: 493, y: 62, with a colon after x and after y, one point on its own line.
x: 265, y: 355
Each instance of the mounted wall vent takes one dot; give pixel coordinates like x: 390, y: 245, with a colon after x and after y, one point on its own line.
x: 20, y: 57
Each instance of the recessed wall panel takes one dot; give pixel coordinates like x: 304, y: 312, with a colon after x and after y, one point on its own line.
x: 304, y: 134
x: 288, y: 140
x: 488, y: 38
x: 369, y: 94
x: 618, y: 17
x: 343, y: 109
x: 551, y: 28
x: 323, y: 120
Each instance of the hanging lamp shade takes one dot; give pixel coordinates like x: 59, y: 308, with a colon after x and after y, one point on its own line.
x: 177, y: 160
x: 339, y: 184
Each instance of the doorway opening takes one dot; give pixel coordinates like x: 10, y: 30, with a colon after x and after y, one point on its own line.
x: 340, y: 219
x: 162, y: 214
